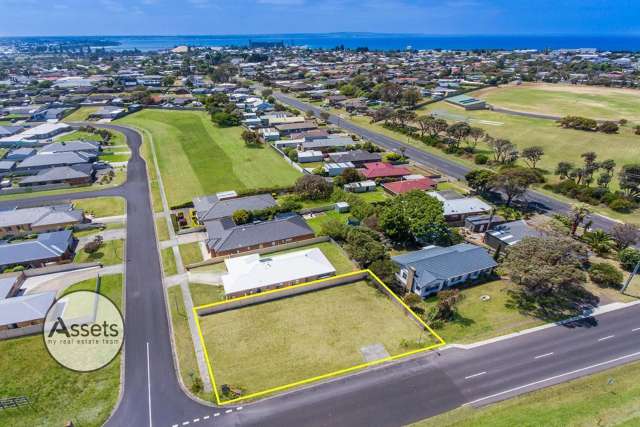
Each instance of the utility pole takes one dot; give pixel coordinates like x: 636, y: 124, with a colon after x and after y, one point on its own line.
x: 633, y: 273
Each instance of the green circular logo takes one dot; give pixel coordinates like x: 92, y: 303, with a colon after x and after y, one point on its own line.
x: 83, y: 331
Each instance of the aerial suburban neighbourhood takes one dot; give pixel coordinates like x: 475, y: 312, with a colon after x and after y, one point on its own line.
x: 306, y: 230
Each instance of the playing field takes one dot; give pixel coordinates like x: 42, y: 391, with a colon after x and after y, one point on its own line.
x: 273, y: 344
x: 559, y: 144
x: 198, y: 158
x: 588, y: 101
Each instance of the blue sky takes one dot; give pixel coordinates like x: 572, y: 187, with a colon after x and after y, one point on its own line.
x: 171, y: 17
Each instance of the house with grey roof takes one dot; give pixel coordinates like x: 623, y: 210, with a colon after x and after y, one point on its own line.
x: 47, y: 247
x: 458, y: 207
x: 210, y: 208
x: 433, y: 269
x: 26, y: 310
x: 9, y: 130
x: 227, y: 238
x: 88, y: 147
x: 357, y: 157
x: 71, y: 175
x: 501, y: 236
x: 41, y: 219
x: 327, y: 143
x: 20, y: 154
x: 50, y: 160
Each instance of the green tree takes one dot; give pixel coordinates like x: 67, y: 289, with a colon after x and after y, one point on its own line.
x: 480, y: 180
x: 363, y: 247
x: 513, y: 182
x: 312, y: 187
x: 628, y: 258
x: 414, y: 216
x: 241, y: 216
x: 605, y: 274
x: 598, y: 240
x: 630, y: 180
x: 532, y: 155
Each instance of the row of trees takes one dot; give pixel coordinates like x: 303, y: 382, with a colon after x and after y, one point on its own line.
x: 583, y: 123
x: 222, y: 111
x: 512, y: 181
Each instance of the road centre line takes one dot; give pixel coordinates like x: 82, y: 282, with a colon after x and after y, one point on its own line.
x: 635, y: 330
x: 543, y: 355
x: 586, y: 368
x: 606, y: 338
x: 475, y: 375
x: 149, y: 384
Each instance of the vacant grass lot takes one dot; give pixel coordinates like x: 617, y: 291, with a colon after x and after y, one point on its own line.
x: 101, y: 206
x: 197, y: 158
x: 110, y: 253
x: 117, y: 138
x: 477, y: 320
x: 605, y: 399
x: 81, y: 114
x: 57, y: 394
x: 587, y: 101
x: 279, y: 342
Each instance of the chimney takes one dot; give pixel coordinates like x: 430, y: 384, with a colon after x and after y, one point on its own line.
x: 410, y: 277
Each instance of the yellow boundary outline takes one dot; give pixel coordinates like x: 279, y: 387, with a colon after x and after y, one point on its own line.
x: 318, y: 377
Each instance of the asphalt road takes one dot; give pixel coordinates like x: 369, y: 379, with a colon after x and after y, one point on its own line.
x: 448, y: 167
x: 389, y: 395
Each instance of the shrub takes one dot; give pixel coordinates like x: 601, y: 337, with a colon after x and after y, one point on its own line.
x: 605, y: 274
x: 621, y: 205
x: 313, y: 187
x: 241, y: 216
x: 628, y: 258
x: 392, y: 157
x: 481, y: 159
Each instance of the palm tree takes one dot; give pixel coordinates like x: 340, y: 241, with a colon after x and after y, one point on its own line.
x: 599, y: 241
x: 578, y: 214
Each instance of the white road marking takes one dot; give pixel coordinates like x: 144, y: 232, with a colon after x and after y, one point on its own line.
x: 206, y: 417
x: 228, y: 411
x: 185, y: 423
x: 475, y: 375
x: 606, y: 338
x: 586, y: 368
x: 217, y: 414
x: 543, y: 355
x: 239, y: 408
x: 196, y: 420
x: 149, y: 384
x: 175, y: 425
x: 635, y: 330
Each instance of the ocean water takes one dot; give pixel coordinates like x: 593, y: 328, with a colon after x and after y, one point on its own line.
x: 376, y: 41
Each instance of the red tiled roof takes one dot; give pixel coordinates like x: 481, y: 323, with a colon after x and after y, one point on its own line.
x: 382, y: 170
x: 400, y: 187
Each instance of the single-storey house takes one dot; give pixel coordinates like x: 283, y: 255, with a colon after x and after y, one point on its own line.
x: 210, y: 208
x: 108, y: 112
x: 310, y: 156
x: 20, y: 154
x: 335, y: 169
x: 432, y: 269
x: 401, y: 187
x: 88, y: 147
x: 47, y: 247
x: 227, y: 238
x: 360, y: 187
x: 324, y: 144
x: 501, y: 236
x: 9, y: 130
x: 269, y: 134
x: 289, y: 128
x: 255, y: 273
x: 357, y: 157
x: 49, y: 114
x: 39, y: 219
x: 26, y: 310
x: 49, y: 160
x: 457, y: 207
x: 311, y: 135
x: 383, y: 170
x: 480, y: 223
x: 10, y: 284
x: 71, y: 175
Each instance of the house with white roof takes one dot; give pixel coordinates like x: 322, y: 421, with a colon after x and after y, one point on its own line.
x: 255, y: 273
x: 457, y: 207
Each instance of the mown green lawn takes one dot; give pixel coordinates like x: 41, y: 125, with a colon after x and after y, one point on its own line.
x: 57, y: 394
x: 336, y: 256
x: 190, y: 253
x: 81, y: 114
x: 477, y: 320
x: 183, y: 342
x: 197, y: 158
x: 205, y: 294
x: 605, y: 399
x: 272, y: 344
x: 587, y: 101
x: 101, y: 206
x: 110, y: 253
x: 163, y: 231
x: 114, y: 158
x: 109, y: 226
x: 319, y: 219
x: 168, y: 262
x: 117, y: 138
